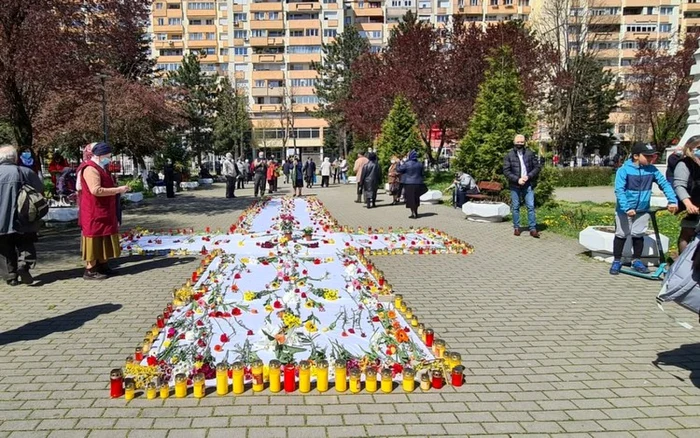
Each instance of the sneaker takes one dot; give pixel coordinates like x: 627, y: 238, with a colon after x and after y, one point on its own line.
x: 615, y: 268
x: 24, y: 276
x: 93, y: 275
x: 638, y: 266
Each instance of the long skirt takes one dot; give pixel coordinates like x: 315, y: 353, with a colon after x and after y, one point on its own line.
x: 411, y: 193
x: 100, y: 248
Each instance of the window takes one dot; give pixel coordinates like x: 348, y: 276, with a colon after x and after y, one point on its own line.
x: 174, y: 21
x: 168, y: 66
x: 223, y: 7
x: 629, y: 45
x: 160, y: 22
x: 407, y: 3
x: 473, y: 2
x: 494, y: 2
x: 223, y: 21
x: 242, y: 83
x: 211, y: 36
x: 508, y: 2
x: 443, y: 18
x: 240, y: 34
x: 375, y: 49
x: 374, y: 34
x: 240, y: 17
x: 275, y: 33
x: 330, y: 33
x: 258, y: 33
x: 307, y: 132
x: 627, y: 62
x: 259, y: 16
x: 605, y: 11
x: 395, y: 3
x: 424, y: 4
x: 223, y: 51
x: 304, y: 49
x: 311, y: 32
x: 330, y: 1
x: 644, y: 28
x: 443, y: 3
x: 209, y: 50
x: 296, y: 33
x: 259, y: 84
x: 200, y: 6
x: 209, y: 22
x: 223, y: 36
x: 241, y: 67
x: 240, y: 51
x: 273, y: 15
x: 162, y: 36
x: 174, y: 6
x: 176, y: 37
x: 665, y: 28
x: 664, y: 44
x: 195, y: 22
x: 330, y: 15
x: 524, y: 2
x: 196, y: 36
x: 171, y: 52
x: 159, y: 6
x: 650, y: 10
x: 666, y: 10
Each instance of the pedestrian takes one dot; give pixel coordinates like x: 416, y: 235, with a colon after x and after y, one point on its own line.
x: 462, y: 186
x: 309, y: 172
x: 335, y: 171
x: 260, y: 174
x: 242, y: 176
x: 413, y: 174
x: 633, y: 182
x: 56, y: 167
x: 686, y: 184
x: 28, y: 159
x: 344, y: 170
x: 286, y: 168
x: 98, y: 214
x: 672, y: 161
x: 230, y: 172
x: 297, y: 176
x: 371, y: 176
x: 325, y: 172
x: 394, y: 180
x: 521, y: 168
x: 357, y: 168
x: 17, y: 237
x: 169, y: 178
x: 271, y: 168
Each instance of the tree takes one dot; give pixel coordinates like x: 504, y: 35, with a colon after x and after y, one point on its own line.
x: 232, y: 126
x: 500, y: 113
x: 399, y: 133
x: 195, y: 91
x: 659, y: 84
x: 262, y: 136
x: 6, y: 134
x: 287, y: 117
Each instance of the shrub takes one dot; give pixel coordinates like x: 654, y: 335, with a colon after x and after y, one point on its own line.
x: 48, y: 188
x: 546, y: 182
x: 585, y: 176
x: 136, y: 185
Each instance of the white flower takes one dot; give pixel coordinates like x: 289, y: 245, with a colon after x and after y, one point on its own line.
x: 291, y: 299
x: 189, y: 336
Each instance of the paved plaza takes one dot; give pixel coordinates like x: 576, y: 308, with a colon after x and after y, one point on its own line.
x: 553, y: 345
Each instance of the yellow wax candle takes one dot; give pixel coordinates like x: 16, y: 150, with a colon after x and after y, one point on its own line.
x: 257, y: 371
x: 447, y: 355
x: 151, y: 391
x: 322, y: 376
x: 398, y: 299
x: 238, y: 374
x: 164, y: 391
x: 154, y: 330
x: 129, y: 390
x: 371, y: 380
x: 455, y: 359
x: 275, y: 373
x: 341, y: 383
x: 304, y: 376
x: 409, y: 313
x: 180, y: 385
x: 146, y: 344
x: 355, y: 380
x: 409, y: 381
x: 387, y: 381
x: 222, y: 379
x: 421, y: 329
x: 414, y: 321
x: 198, y: 387
x: 425, y: 382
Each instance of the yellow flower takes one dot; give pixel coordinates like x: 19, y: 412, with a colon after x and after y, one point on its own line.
x: 249, y: 296
x: 309, y: 304
x: 324, y: 329
x: 245, y: 260
x: 268, y: 308
x: 310, y: 327
x: 274, y: 285
x: 329, y: 259
x: 174, y: 360
x: 301, y: 283
x: 330, y: 294
x: 198, y: 364
x: 241, y: 244
x: 167, y: 343
x: 199, y: 311
x: 374, y: 289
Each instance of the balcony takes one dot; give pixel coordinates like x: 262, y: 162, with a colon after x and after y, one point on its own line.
x: 304, y: 57
x: 239, y: 42
x: 605, y: 19
x: 305, y: 41
x: 304, y: 6
x: 441, y: 11
x: 239, y: 75
x: 191, y: 13
x: 237, y: 8
x: 635, y: 3
x: 395, y: 11
x: 629, y: 53
x: 267, y: 58
x: 166, y: 58
x: 368, y: 12
x: 202, y: 29
x: 173, y: 13
x: 266, y: 108
x: 607, y: 53
x: 200, y: 44
x: 332, y: 23
x: 263, y: 75
x: 469, y: 10
x: 259, y: 42
x: 370, y: 26
x: 302, y: 74
x: 266, y: 6
x: 267, y: 91
x: 169, y: 44
x: 267, y: 24
x: 304, y: 24
x: 692, y: 7
x: 167, y: 28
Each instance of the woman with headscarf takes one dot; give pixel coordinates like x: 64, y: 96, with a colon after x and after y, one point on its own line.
x: 413, y: 182
x: 98, y: 213
x: 371, y: 176
x: 394, y: 180
x: 296, y: 174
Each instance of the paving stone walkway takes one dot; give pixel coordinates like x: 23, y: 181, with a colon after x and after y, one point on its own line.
x: 554, y: 346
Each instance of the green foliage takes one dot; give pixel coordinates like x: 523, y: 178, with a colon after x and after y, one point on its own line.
x: 585, y: 176
x: 136, y: 185
x: 546, y: 182
x: 352, y: 156
x: 49, y: 188
x: 173, y: 151
x: 499, y: 115
x: 232, y: 126
x: 399, y: 133
x: 6, y: 134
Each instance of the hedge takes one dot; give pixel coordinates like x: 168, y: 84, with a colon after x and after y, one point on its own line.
x: 585, y: 176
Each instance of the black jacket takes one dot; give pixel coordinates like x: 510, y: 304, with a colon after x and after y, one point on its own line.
x: 371, y: 176
x: 511, y: 167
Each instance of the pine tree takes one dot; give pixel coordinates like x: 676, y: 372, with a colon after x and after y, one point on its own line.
x: 232, y: 126
x: 499, y: 115
x: 399, y: 133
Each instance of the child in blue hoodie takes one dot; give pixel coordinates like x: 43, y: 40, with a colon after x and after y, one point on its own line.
x: 633, y: 192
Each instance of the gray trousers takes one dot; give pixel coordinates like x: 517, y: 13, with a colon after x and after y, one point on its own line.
x: 259, y: 184
x: 17, y: 251
x: 626, y: 226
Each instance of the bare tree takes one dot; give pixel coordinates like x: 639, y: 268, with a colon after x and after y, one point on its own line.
x: 261, y: 136
x: 287, y: 117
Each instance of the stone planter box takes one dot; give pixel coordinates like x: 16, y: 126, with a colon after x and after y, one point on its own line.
x: 135, y: 197
x: 352, y: 179
x: 206, y: 182
x: 189, y: 185
x: 599, y: 240
x: 659, y: 201
x: 485, y: 211
x: 431, y: 197
x: 159, y: 190
x: 65, y: 214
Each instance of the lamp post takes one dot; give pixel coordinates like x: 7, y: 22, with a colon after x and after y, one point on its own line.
x: 105, y: 129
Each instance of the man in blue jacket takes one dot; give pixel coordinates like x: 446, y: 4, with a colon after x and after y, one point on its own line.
x: 521, y: 168
x: 633, y: 192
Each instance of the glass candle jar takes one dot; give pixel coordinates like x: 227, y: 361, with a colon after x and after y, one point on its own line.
x: 180, y: 385
x: 355, y: 380
x: 414, y: 321
x: 198, y: 388
x: 371, y: 379
x: 322, y: 375
x: 275, y: 376
x: 429, y: 337
x: 151, y: 391
x: 398, y: 299
x: 409, y: 380
x: 237, y: 375
x: 290, y: 379
x: 116, y: 383
x: 439, y: 348
x: 146, y: 344
x: 129, y: 389
x: 437, y: 379
x: 160, y: 321
x: 457, y: 375
x: 455, y: 359
x: 409, y: 313
x: 387, y: 380
x: 138, y: 355
x: 425, y: 381
x: 341, y: 382
x: 448, y: 359
x: 164, y: 390
x: 304, y: 376
x: 166, y: 313
x: 256, y: 369
x: 155, y: 330
x: 222, y: 379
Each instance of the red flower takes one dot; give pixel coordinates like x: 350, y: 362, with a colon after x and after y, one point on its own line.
x: 303, y: 294
x: 304, y: 272
x: 285, y: 278
x: 250, y: 332
x: 265, y: 263
x: 406, y: 329
x: 237, y: 276
x: 375, y: 319
x: 363, y: 335
x: 344, y: 334
x: 200, y: 323
x: 152, y: 361
x: 236, y: 311
x: 218, y: 348
x: 351, y: 330
x: 277, y: 304
x: 224, y: 338
x: 397, y: 369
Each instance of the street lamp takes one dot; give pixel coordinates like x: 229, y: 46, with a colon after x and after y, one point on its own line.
x: 105, y: 129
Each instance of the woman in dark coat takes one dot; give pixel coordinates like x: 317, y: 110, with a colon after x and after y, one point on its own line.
x: 413, y: 182
x: 371, y: 176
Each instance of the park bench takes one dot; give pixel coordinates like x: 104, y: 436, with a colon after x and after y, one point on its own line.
x: 488, y: 191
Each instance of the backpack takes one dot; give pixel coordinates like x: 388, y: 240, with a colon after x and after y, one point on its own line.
x: 31, y: 205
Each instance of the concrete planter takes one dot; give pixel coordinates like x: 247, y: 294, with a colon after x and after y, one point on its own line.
x: 485, y: 211
x: 431, y: 197
x: 65, y: 214
x: 206, y: 182
x: 352, y: 179
x: 189, y: 185
x: 159, y: 190
x: 599, y: 240
x: 135, y: 197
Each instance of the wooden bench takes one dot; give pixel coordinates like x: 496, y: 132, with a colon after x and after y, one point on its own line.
x: 489, y: 191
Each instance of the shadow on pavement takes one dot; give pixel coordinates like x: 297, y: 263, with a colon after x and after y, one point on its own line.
x: 191, y: 204
x: 62, y: 323
x: 147, y: 264
x: 687, y: 357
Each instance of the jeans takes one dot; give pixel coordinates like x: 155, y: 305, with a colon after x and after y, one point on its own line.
x: 344, y: 176
x: 259, y: 185
x: 528, y: 194
x: 230, y: 186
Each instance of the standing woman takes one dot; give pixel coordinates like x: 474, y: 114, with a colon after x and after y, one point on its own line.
x: 686, y: 184
x: 394, y: 180
x: 98, y: 213
x: 413, y: 182
x: 296, y: 173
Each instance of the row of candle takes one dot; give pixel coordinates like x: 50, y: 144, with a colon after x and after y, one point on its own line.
x: 344, y: 380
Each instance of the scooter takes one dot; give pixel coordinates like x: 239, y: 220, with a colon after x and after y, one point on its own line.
x: 660, y: 272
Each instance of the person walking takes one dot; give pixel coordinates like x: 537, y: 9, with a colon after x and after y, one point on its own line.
x: 394, y: 180
x: 357, y: 168
x: 230, y: 171
x: 335, y: 171
x: 344, y: 170
x: 325, y: 172
x: 521, y: 168
x: 260, y: 173
x: 413, y: 174
x: 271, y: 169
x: 286, y: 168
x: 97, y: 215
x: 371, y: 176
x: 17, y: 251
x: 296, y: 172
x: 169, y: 178
x: 310, y: 172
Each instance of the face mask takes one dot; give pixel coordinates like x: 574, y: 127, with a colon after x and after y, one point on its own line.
x: 697, y: 152
x: 105, y: 161
x: 26, y: 155
x: 519, y: 146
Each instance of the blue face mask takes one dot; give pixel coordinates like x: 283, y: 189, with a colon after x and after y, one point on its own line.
x: 697, y: 152
x: 104, y: 162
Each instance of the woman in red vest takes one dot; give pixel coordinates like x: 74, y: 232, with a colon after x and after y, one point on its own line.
x: 98, y: 213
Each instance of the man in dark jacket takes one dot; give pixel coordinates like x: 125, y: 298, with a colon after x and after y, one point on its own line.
x: 17, y: 252
x: 521, y: 169
x: 371, y: 176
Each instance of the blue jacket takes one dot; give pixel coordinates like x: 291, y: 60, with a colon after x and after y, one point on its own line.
x: 411, y: 172
x: 633, y: 187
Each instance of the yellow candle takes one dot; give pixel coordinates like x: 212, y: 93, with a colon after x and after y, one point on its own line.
x: 425, y: 382
x: 146, y: 344
x: 222, y: 379
x: 154, y: 330
x: 129, y: 389
x: 257, y: 371
x: 180, y: 385
x: 371, y: 379
x: 238, y: 372
x: 421, y: 329
x: 447, y: 355
x: 341, y: 383
x: 151, y: 391
x: 455, y: 359
x: 409, y: 313
x: 304, y: 376
x: 275, y: 380
x: 164, y: 391
x: 414, y: 321
x: 322, y: 376
x: 198, y: 387
x: 409, y: 380
x: 355, y: 380
x: 387, y: 380
x: 398, y: 299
